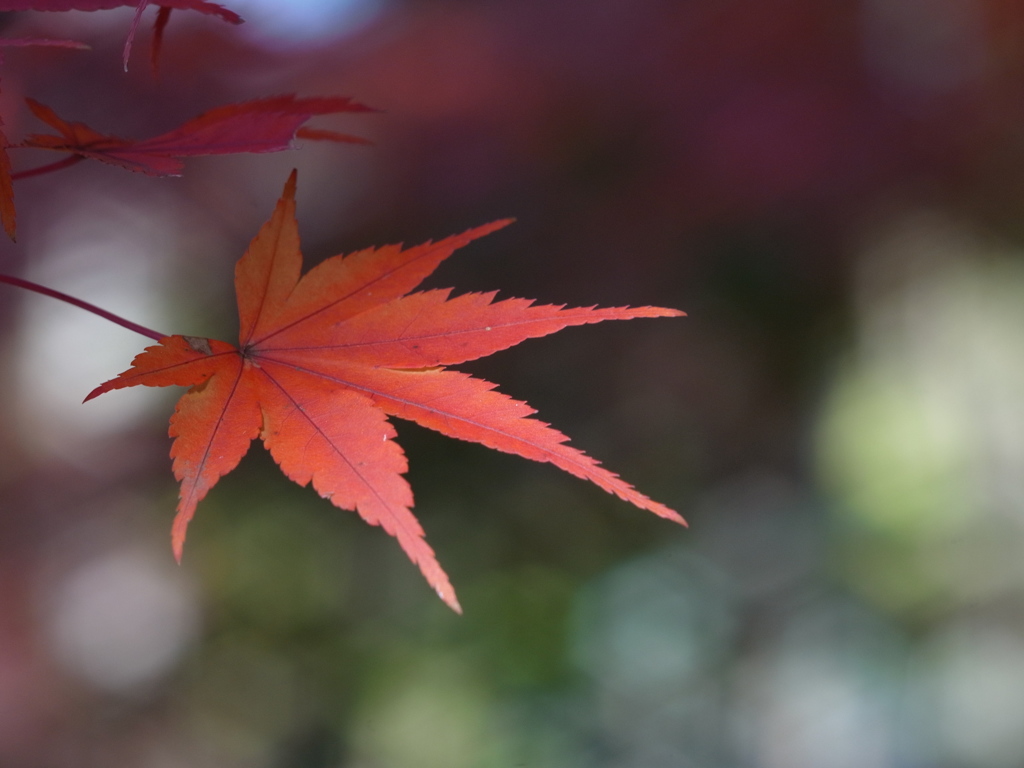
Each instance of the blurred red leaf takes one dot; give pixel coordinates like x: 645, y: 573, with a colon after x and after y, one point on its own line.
x: 7, y: 213
x: 263, y: 125
x: 105, y: 5
x: 324, y: 358
x: 21, y: 42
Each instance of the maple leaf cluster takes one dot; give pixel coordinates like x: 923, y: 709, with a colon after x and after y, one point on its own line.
x: 262, y: 125
x: 325, y: 358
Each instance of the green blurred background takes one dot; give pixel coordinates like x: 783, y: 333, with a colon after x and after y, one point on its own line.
x: 833, y: 192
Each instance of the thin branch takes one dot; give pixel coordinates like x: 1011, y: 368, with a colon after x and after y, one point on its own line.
x: 30, y: 286
x: 65, y: 163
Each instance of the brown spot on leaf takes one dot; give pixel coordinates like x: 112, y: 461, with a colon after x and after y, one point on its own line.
x: 199, y: 344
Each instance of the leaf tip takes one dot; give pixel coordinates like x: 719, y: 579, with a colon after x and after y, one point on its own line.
x: 178, y: 529
x: 289, y: 186
x: 669, y: 514
x: 451, y: 601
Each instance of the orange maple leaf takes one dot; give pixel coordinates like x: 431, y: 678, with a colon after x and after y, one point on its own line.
x: 324, y: 358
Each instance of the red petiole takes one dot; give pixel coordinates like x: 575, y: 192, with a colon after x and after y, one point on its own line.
x: 30, y: 286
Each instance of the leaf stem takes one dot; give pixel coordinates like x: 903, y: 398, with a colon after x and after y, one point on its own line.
x: 30, y: 286
x: 65, y: 163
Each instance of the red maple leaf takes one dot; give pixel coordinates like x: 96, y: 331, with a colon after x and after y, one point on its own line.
x: 166, y: 6
x: 262, y: 125
x: 106, y: 5
x: 7, y: 213
x: 324, y: 358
